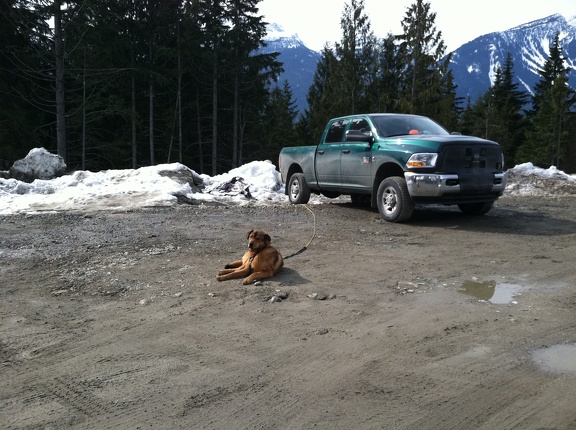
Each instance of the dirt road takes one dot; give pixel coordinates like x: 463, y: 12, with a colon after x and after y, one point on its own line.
x: 116, y: 321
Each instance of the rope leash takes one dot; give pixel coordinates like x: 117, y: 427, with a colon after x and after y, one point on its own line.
x: 304, y: 248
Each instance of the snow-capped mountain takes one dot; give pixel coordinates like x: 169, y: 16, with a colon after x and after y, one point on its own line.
x: 299, y: 62
x: 474, y: 64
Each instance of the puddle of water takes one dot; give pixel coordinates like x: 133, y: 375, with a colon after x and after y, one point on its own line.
x: 557, y: 358
x: 490, y: 291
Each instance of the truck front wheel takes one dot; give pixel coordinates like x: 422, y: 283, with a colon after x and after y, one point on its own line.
x: 394, y: 201
x: 298, y: 189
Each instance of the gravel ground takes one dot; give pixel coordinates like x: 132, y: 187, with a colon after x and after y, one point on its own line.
x: 115, y: 320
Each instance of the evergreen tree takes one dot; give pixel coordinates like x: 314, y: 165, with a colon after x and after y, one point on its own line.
x: 277, y: 128
x: 232, y: 32
x: 498, y: 114
x: 427, y: 84
x: 548, y: 140
x: 101, y: 43
x: 345, y: 80
x: 390, y: 73
x: 131, y: 69
x: 467, y: 119
x: 322, y: 99
x: 357, y: 60
x: 510, y: 122
x: 478, y: 119
x: 213, y: 22
x: 447, y: 107
x: 27, y: 108
x: 246, y: 36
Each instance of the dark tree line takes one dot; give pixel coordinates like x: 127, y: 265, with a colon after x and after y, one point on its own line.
x: 126, y: 83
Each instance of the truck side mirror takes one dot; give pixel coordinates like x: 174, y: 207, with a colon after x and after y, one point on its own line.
x: 359, y: 136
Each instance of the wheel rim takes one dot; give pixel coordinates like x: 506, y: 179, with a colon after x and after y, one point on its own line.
x: 390, y: 200
x: 294, y: 189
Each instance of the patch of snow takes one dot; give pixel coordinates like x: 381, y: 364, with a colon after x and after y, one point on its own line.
x: 255, y: 183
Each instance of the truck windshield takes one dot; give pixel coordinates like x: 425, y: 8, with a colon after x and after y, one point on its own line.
x: 401, y: 125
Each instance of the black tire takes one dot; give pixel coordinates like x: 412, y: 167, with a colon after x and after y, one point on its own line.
x: 475, y: 208
x: 394, y: 201
x: 360, y: 199
x: 298, y: 189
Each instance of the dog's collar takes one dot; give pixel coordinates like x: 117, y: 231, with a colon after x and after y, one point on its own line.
x: 252, y: 259
x: 250, y: 263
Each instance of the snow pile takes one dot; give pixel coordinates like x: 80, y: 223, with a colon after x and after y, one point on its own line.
x: 528, y: 180
x: 83, y: 190
x: 38, y: 164
x: 162, y: 185
x: 255, y: 183
x: 258, y: 180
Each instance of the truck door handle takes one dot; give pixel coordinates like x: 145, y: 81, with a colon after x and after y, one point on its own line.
x: 320, y: 152
x: 345, y: 151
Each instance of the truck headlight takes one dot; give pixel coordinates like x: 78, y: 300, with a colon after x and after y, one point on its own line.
x: 423, y: 159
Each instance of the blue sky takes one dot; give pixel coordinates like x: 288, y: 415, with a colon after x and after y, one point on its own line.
x: 318, y: 21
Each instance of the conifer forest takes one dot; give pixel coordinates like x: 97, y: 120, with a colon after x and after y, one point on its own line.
x: 115, y: 84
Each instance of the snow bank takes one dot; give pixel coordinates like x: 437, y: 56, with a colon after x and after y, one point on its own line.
x: 254, y: 183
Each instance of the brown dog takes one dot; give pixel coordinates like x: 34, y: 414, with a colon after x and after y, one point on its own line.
x: 261, y: 261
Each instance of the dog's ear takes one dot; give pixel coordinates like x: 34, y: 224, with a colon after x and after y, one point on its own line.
x: 267, y: 237
x: 248, y: 233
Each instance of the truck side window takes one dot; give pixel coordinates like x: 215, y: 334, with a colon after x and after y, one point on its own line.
x: 360, y: 124
x: 336, y: 132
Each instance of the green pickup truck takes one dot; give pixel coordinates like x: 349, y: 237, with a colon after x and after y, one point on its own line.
x: 394, y: 161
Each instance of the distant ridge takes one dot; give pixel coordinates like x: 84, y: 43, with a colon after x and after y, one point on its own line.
x: 299, y: 62
x: 474, y: 64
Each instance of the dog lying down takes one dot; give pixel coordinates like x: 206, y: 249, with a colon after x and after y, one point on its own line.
x: 261, y: 261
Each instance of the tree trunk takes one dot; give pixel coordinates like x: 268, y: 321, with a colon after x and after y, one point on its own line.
x: 134, y: 144
x: 199, y: 131
x: 215, y: 119
x: 180, y: 143
x: 60, y: 95
x: 151, y: 122
x: 84, y: 115
x: 235, y: 160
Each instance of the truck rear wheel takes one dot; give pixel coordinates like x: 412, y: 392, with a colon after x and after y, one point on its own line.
x: 298, y: 189
x: 475, y: 208
x: 394, y: 201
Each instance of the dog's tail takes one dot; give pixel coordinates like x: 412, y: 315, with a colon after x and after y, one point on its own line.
x: 304, y: 248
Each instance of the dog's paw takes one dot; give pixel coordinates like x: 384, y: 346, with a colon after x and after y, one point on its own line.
x: 219, y: 278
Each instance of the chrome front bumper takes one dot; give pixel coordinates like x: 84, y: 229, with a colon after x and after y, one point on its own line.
x: 437, y: 185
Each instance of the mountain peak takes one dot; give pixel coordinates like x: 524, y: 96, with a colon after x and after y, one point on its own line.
x: 277, y: 36
x: 474, y: 64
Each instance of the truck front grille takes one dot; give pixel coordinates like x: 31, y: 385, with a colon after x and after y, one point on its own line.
x: 466, y: 158
x: 475, y: 165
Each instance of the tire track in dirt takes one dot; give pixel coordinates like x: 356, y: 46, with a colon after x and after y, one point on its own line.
x: 221, y: 356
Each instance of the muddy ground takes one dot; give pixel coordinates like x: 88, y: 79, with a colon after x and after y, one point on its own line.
x: 115, y: 320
